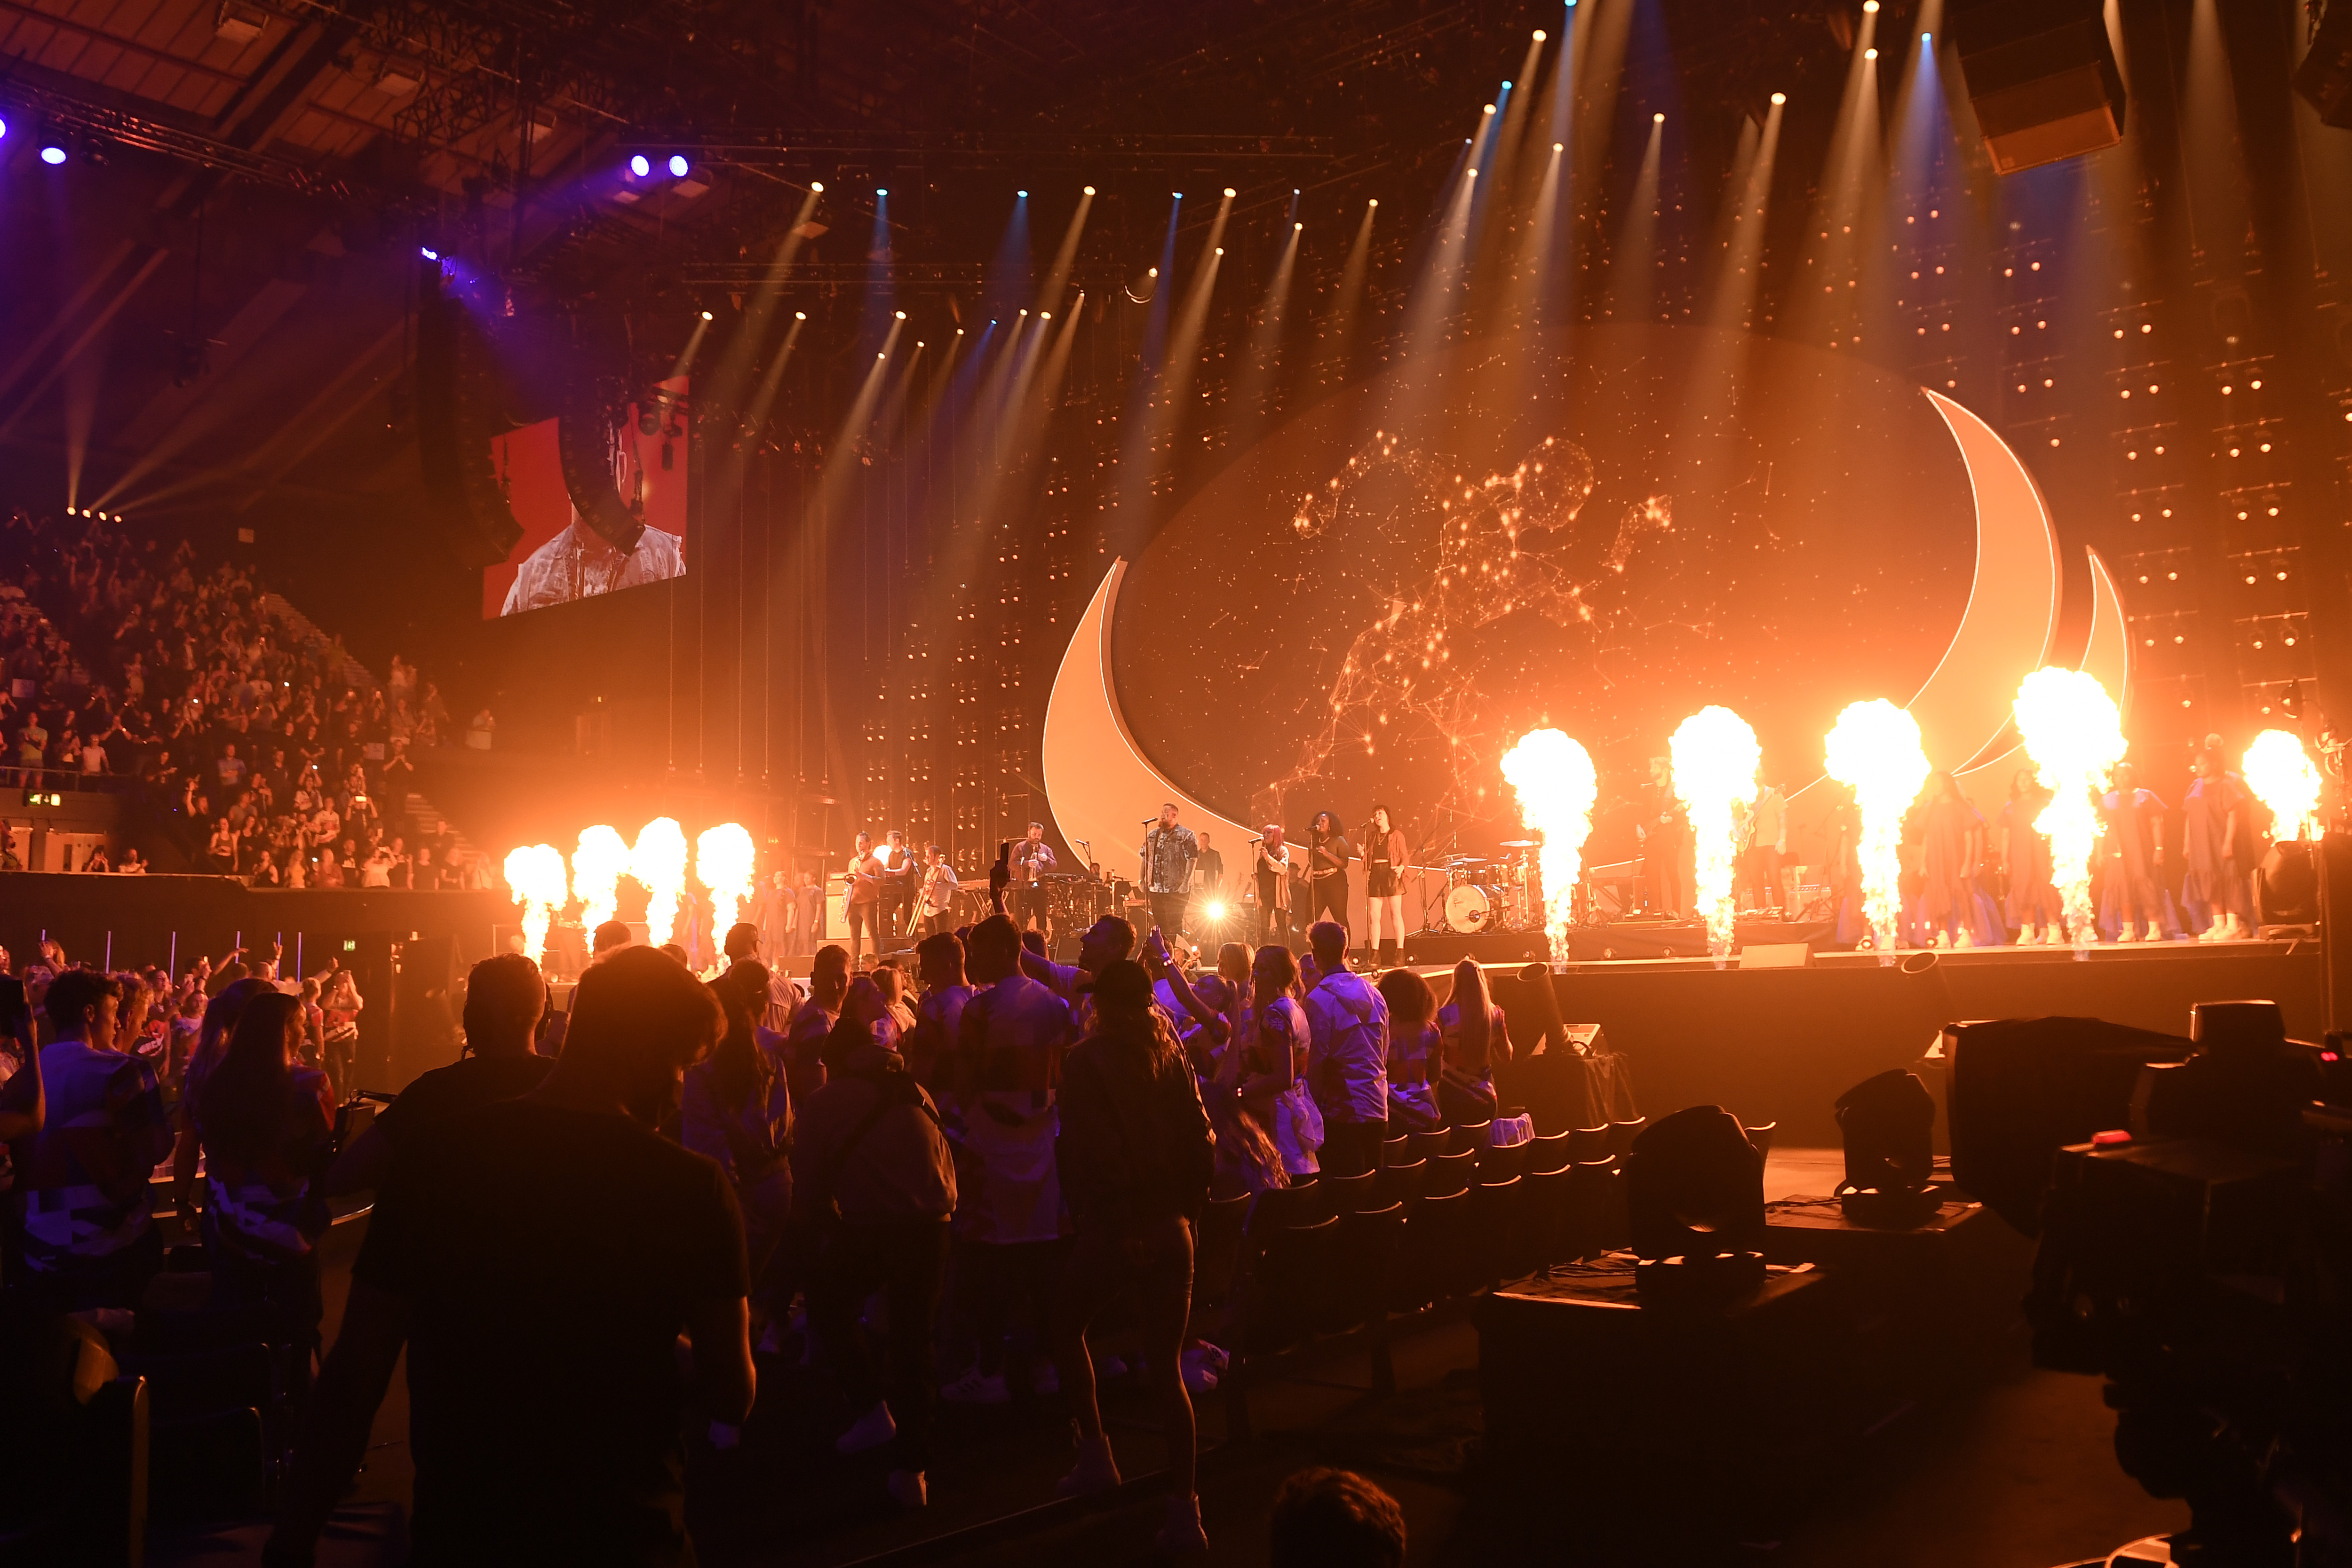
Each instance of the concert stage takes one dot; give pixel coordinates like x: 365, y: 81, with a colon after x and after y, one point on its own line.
x: 1783, y: 1044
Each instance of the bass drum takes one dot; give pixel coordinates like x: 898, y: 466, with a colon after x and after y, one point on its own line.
x: 1469, y: 907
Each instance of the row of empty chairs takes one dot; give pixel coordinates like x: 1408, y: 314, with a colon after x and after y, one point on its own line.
x: 1446, y: 1214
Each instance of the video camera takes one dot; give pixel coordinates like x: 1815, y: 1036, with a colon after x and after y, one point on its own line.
x: 2197, y: 1253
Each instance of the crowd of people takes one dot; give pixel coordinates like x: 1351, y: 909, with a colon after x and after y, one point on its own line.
x: 999, y: 1147
x: 259, y: 754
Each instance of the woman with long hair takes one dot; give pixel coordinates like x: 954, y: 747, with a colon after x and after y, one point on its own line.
x: 1264, y: 1067
x: 268, y: 1125
x: 1384, y: 863
x: 219, y: 1021
x: 1475, y: 1043
x: 1415, y: 1047
x: 1135, y: 1153
x: 2030, y: 898
x: 340, y: 1010
x: 737, y: 1108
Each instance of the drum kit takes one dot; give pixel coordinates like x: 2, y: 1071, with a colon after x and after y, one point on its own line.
x: 1498, y: 893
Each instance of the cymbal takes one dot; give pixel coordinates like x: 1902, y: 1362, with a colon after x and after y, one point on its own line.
x: 1519, y: 844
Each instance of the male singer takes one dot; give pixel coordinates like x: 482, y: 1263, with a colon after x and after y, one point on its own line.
x: 1169, y: 853
x: 1032, y: 858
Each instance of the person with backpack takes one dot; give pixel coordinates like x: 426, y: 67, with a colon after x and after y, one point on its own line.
x: 871, y: 1170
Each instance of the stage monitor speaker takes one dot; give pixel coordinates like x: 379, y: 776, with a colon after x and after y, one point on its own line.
x: 2333, y: 899
x: 1425, y: 948
x: 1776, y: 955
x: 2042, y: 78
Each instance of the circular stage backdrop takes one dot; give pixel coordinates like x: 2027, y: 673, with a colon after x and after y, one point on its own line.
x: 1381, y: 597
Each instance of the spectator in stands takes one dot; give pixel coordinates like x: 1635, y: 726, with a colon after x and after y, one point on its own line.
x: 938, y: 1018
x: 1415, y: 1051
x: 609, y: 936
x: 1475, y: 1043
x: 1346, y: 1056
x: 24, y: 1106
x: 1135, y: 1158
x: 1006, y: 1079
x: 738, y: 1109
x: 871, y: 1151
x: 342, y: 1004
x: 81, y: 1181
x: 542, y: 1256
x: 506, y: 1015
x: 812, y: 1022
x: 1334, y: 1519
x: 268, y: 1125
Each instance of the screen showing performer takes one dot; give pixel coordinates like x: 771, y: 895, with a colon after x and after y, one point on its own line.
x: 560, y: 559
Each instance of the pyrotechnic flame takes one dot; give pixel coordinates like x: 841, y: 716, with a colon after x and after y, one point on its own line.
x: 1552, y: 775
x: 535, y: 876
x: 1715, y: 758
x: 724, y: 858
x: 1874, y: 751
x: 658, y: 860
x: 2072, y: 732
x: 597, y: 867
x: 2283, y: 777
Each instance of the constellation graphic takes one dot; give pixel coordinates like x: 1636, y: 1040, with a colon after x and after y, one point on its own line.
x: 1462, y: 555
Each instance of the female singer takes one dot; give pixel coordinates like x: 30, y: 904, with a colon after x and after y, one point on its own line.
x: 1385, y: 861
x: 1327, y: 869
x: 1475, y: 1043
x: 2032, y: 898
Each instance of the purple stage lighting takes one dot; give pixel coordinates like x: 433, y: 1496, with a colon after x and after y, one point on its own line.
x: 678, y: 165
x: 428, y: 253
x: 3, y: 128
x: 640, y: 165
x: 53, y: 156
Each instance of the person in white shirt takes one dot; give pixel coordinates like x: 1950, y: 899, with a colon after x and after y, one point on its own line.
x: 1346, y: 1056
x: 580, y: 563
x: 936, y: 908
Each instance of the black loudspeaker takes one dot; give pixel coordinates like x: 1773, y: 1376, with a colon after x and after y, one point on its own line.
x: 1423, y: 948
x: 459, y: 407
x: 2326, y: 75
x: 2331, y: 903
x: 2042, y: 78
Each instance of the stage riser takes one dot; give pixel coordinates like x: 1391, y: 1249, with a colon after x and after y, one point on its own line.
x: 1783, y: 1044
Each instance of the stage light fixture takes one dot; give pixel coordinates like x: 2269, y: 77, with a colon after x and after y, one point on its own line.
x: 1870, y: 54
x: 1295, y: 227
x: 1374, y: 202
x: 1229, y: 192
x: 428, y: 253
x: 1048, y: 315
x: 1659, y: 119
x: 817, y: 187
x: 1488, y: 110
x: 705, y: 315
x: 1090, y: 190
x: 1539, y: 35
x: 1927, y: 38
x: 678, y: 166
x: 1560, y: 146
x: 3, y: 128
x: 1778, y: 99
x: 881, y: 189
x: 1022, y: 195
x: 902, y: 315
x: 640, y: 165
x: 800, y: 315
x: 53, y: 156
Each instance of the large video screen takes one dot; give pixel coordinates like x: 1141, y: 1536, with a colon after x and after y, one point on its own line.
x: 559, y: 557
